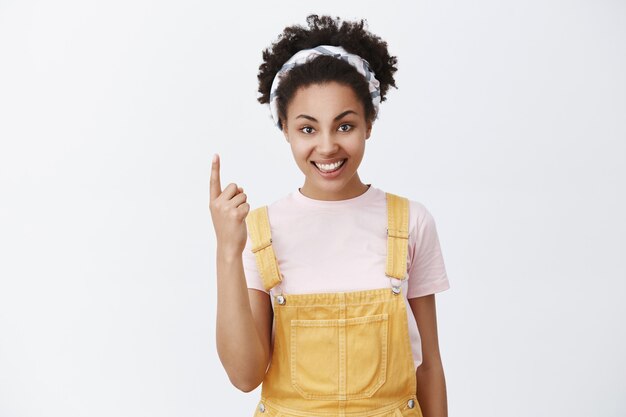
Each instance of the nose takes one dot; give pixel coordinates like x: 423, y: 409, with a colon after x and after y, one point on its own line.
x: 327, y: 144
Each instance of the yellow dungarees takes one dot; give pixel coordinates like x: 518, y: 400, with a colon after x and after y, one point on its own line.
x: 343, y: 353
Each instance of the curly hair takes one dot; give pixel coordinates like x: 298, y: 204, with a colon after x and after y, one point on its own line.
x: 325, y: 30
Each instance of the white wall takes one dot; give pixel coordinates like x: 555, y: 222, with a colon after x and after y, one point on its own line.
x: 509, y: 124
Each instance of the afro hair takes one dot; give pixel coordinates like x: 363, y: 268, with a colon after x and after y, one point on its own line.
x: 325, y: 30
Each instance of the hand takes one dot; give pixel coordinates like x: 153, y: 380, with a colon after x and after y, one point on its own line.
x: 228, y: 211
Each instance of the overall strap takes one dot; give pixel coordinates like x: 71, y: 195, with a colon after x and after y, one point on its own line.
x: 397, y: 236
x: 258, y: 224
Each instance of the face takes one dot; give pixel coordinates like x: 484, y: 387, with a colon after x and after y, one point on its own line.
x: 326, y: 124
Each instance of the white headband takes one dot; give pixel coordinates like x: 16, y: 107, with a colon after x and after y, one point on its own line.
x: 305, y: 55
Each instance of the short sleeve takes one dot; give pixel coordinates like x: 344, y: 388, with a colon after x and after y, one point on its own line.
x: 427, y: 272
x: 250, y: 269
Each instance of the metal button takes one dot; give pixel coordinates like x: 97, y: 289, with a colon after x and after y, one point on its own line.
x: 280, y: 299
x: 262, y: 407
x: 395, y: 289
x: 411, y: 403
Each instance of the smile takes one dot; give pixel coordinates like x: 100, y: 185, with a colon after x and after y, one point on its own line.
x: 327, y: 168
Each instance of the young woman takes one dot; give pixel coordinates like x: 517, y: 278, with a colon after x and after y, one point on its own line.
x: 326, y: 296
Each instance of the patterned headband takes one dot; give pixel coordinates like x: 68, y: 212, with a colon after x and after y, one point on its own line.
x: 306, y: 55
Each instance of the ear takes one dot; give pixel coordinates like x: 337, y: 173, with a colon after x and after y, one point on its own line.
x: 285, y: 131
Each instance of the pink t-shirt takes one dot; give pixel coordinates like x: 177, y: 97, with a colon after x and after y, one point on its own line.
x: 340, y: 246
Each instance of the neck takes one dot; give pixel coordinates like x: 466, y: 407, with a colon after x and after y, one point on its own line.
x: 350, y: 190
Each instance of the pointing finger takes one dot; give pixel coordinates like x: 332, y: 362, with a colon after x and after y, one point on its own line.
x: 215, y: 187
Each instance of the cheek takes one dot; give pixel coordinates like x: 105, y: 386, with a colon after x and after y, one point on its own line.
x: 356, y: 150
x: 300, y: 153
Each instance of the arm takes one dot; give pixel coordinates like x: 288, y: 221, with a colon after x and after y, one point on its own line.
x: 244, y: 325
x: 431, y: 383
x: 244, y: 316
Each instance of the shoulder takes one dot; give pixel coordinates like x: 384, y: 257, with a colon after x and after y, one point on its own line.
x: 419, y: 215
x: 421, y: 221
x: 277, y: 211
x: 279, y: 204
x: 422, y: 226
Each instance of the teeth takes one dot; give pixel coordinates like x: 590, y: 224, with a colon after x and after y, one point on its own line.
x: 329, y: 167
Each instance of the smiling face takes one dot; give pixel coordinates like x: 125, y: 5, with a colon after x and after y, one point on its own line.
x: 326, y: 124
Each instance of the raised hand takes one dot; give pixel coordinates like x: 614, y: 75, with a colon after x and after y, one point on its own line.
x: 228, y: 211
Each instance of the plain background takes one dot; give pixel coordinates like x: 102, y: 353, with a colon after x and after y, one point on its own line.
x: 508, y: 125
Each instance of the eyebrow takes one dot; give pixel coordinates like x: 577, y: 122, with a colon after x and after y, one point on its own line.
x: 339, y: 116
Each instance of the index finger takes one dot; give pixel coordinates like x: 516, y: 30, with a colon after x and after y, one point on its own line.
x: 214, y: 182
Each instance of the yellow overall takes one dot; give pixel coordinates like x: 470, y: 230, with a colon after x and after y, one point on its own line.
x: 343, y: 353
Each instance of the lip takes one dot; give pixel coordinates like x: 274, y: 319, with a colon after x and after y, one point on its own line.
x: 333, y: 174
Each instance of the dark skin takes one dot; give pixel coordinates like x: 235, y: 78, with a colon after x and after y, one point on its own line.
x: 431, y: 384
x: 334, y: 132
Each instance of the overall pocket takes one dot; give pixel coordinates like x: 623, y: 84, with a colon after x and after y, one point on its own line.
x: 339, y: 358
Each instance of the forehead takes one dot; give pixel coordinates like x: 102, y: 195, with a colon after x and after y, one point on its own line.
x: 324, y: 99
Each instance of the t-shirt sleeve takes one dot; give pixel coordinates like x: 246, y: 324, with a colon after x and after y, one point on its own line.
x: 427, y: 272
x: 250, y: 269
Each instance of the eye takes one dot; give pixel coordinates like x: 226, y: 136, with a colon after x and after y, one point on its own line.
x: 306, y: 127
x: 346, y: 124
